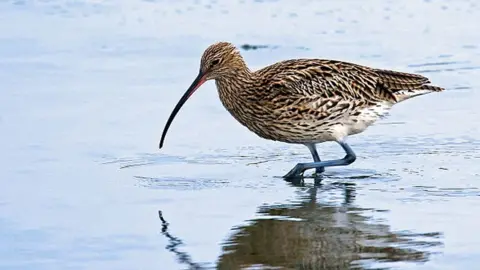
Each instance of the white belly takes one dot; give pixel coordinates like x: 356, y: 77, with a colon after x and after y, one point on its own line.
x: 367, y: 117
x: 356, y: 124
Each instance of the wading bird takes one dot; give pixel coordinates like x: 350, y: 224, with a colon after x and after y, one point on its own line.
x: 303, y: 101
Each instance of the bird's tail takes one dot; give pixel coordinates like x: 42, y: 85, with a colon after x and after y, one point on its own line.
x: 405, y: 85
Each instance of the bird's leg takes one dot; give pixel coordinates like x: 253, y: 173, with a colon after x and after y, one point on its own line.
x: 316, y: 157
x: 349, y: 158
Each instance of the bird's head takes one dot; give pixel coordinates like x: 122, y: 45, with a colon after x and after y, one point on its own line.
x: 219, y: 60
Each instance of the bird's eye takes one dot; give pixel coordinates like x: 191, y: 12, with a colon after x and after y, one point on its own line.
x: 214, y: 62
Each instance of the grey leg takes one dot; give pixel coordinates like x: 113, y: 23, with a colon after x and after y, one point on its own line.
x: 349, y: 158
x: 316, y: 157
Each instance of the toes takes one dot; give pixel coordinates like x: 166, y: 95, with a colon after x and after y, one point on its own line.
x: 294, y: 173
x: 291, y: 175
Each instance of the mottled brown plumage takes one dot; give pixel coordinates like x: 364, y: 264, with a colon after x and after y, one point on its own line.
x: 304, y: 101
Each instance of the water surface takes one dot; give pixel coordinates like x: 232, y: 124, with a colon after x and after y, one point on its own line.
x: 88, y: 85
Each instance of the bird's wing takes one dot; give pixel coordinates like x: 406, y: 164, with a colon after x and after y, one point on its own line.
x: 330, y: 78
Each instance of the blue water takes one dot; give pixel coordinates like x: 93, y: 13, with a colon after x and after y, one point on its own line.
x: 86, y: 88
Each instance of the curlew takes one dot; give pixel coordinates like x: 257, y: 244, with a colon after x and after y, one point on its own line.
x: 303, y: 101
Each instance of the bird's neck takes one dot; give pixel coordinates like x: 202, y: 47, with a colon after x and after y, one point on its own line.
x: 234, y: 92
x: 236, y: 83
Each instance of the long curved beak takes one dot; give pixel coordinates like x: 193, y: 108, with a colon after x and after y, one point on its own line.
x: 195, y: 85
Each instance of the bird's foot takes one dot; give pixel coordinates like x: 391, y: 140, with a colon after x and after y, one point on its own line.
x: 299, y: 169
x: 296, y: 172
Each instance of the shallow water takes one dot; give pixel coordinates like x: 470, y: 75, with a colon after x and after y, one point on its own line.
x: 88, y: 85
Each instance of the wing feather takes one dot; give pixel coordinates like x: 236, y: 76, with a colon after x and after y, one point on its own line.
x: 330, y: 78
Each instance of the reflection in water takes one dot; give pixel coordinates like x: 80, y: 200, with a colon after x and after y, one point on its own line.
x: 313, y: 235
x: 174, y: 242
